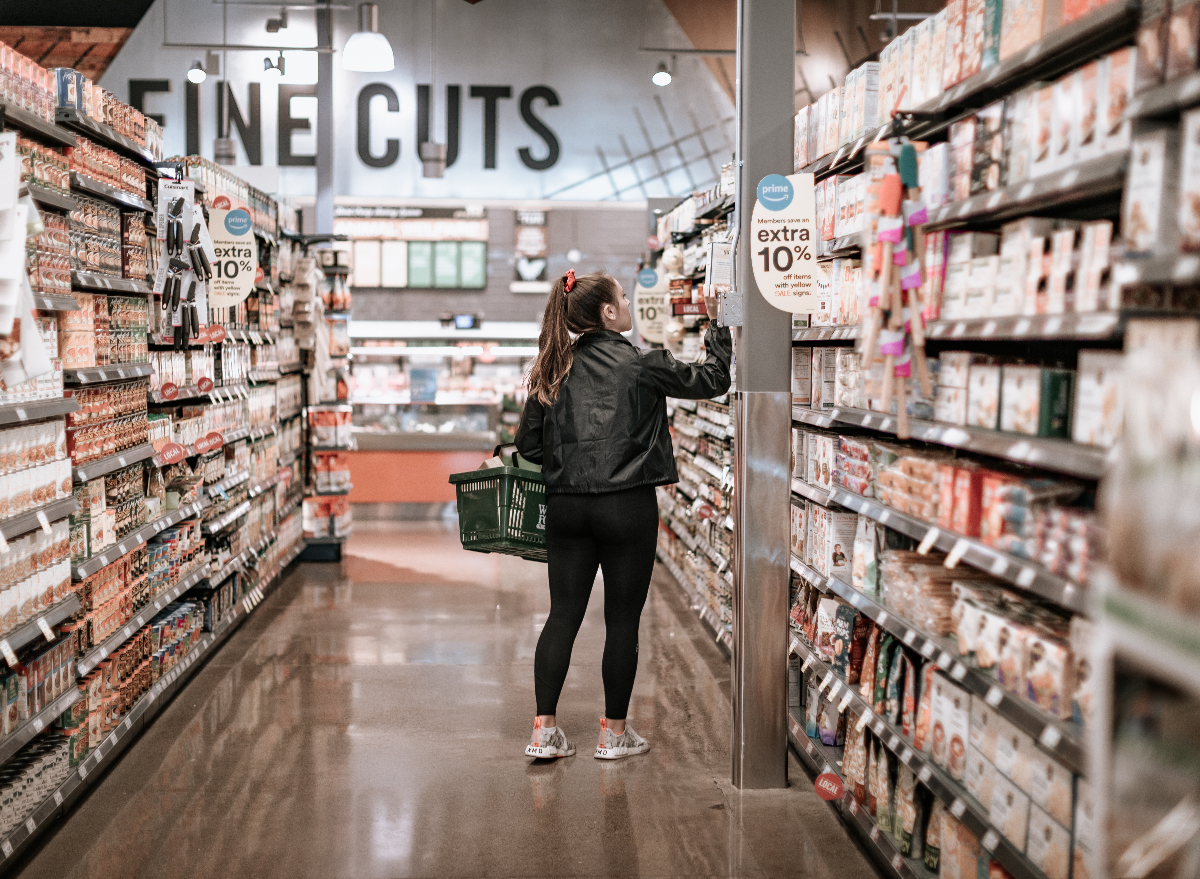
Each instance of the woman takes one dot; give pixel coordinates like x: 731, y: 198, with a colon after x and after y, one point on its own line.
x: 596, y: 420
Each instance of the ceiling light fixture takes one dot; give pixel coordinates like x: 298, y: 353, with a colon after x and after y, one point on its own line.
x: 197, y: 73
x: 367, y: 50
x: 275, y: 25
x: 662, y: 76
x: 273, y: 69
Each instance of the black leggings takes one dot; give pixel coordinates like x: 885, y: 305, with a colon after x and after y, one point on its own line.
x: 617, y: 532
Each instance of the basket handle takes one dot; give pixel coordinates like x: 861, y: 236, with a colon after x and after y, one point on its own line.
x: 510, y: 449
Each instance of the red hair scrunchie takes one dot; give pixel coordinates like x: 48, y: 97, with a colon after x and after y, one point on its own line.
x: 569, y: 280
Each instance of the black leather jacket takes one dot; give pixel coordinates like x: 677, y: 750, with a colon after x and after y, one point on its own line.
x: 607, y: 430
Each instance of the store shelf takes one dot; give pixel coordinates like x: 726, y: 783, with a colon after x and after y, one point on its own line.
x: 55, y: 302
x: 185, y: 392
x: 263, y: 376
x: 105, y: 284
x: 136, y: 538
x: 236, y: 391
x: 24, y: 121
x: 23, y: 523
x: 257, y: 433
x: 1029, y: 575
x: 291, y: 368
x: 1091, y: 326
x: 1059, y: 455
x: 92, y: 469
x: 816, y: 758
x: 1062, y: 740
x: 216, y: 526
x: 1166, y: 100
x: 717, y: 208
x: 227, y: 483
x: 90, y: 771
x: 230, y: 568
x: 109, y: 137
x: 722, y: 636
x: 328, y: 540
x: 48, y: 198
x: 266, y: 485
x: 288, y: 506
x: 1089, y: 181
x: 32, y: 630
x: 99, y: 374
x: 824, y: 334
x: 109, y: 193
x: 101, y: 652
x: 343, y: 447
x: 847, y: 245
x: 811, y: 492
x: 933, y: 777
x: 19, y: 413
x: 1181, y: 268
x: 37, y: 724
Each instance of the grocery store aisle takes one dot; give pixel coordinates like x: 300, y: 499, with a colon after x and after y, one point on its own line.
x: 368, y: 720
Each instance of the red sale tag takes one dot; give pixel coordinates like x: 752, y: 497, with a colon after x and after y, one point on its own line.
x: 169, y: 391
x: 829, y: 786
x: 205, y: 384
x: 221, y: 202
x: 216, y: 333
x: 258, y: 275
x: 215, y: 439
x: 201, y: 335
x: 172, y: 453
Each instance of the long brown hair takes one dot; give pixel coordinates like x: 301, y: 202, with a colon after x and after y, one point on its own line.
x: 575, y: 312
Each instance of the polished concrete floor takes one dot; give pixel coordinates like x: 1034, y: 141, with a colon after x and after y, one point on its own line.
x: 368, y: 720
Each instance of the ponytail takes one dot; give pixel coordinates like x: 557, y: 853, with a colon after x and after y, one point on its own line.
x: 573, y: 307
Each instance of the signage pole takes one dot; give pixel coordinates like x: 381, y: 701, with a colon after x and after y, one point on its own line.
x: 325, y: 122
x: 762, y: 408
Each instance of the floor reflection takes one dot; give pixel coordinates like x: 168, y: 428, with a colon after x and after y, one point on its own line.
x: 368, y: 721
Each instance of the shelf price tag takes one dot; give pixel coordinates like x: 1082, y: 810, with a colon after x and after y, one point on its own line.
x: 955, y: 556
x: 169, y: 391
x: 9, y: 656
x: 928, y: 541
x: 46, y: 630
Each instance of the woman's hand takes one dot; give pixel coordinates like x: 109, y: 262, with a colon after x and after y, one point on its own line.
x: 710, y: 302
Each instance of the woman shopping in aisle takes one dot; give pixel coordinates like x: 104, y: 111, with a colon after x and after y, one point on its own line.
x: 596, y: 420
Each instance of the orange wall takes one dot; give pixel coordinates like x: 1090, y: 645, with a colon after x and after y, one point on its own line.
x: 407, y: 477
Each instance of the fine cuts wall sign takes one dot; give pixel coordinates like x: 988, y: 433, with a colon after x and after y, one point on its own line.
x: 514, y: 93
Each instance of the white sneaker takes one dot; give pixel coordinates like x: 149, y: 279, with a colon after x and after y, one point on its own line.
x: 614, y: 747
x: 548, y: 744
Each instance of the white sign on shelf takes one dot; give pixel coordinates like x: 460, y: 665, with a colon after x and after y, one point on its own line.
x: 236, y: 250
x: 651, y: 302
x: 783, y: 242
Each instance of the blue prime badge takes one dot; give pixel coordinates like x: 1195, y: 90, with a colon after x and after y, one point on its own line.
x: 647, y: 277
x: 775, y: 192
x: 237, y: 222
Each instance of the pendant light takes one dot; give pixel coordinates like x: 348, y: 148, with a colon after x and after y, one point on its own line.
x: 367, y: 50
x: 433, y: 155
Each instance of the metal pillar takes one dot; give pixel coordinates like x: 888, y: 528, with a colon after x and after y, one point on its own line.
x: 765, y: 87
x: 325, y: 123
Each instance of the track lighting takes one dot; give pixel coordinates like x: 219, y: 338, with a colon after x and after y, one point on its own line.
x: 197, y: 73
x: 273, y: 69
x: 662, y: 76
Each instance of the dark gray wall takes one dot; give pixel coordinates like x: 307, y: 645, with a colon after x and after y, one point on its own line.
x: 610, y: 239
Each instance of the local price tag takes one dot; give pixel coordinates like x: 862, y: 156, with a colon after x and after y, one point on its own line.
x: 216, y: 333
x: 783, y: 240
x: 172, y: 453
x: 829, y: 786
x: 210, y: 442
x: 205, y: 384
x: 169, y: 391
x: 236, y: 260
x: 651, y: 297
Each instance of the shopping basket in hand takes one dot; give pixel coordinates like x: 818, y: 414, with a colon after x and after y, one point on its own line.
x: 503, y: 509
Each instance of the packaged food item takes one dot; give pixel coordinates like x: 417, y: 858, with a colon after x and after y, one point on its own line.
x: 1020, y: 25
x: 1009, y: 812
x: 865, y: 565
x: 951, y: 725
x: 884, y: 791
x: 980, y: 777
x: 1086, y: 840
x: 866, y: 687
x: 983, y: 396
x: 1152, y: 40
x: 908, y: 829
x: 802, y: 364
x: 1097, y: 417
x: 1149, y: 209
x: 1036, y: 400
x: 1118, y: 92
x: 983, y: 728
x: 1048, y: 845
x: 922, y: 738
x: 831, y: 725
x: 1052, y: 786
x: 827, y: 609
x: 1014, y: 754
x: 883, y: 665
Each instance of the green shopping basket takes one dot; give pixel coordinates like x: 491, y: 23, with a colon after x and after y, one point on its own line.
x: 502, y: 509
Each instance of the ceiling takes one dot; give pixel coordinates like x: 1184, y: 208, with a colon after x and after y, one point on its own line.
x: 70, y: 33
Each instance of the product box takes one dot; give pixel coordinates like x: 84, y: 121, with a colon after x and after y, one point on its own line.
x: 993, y: 17
x: 1094, y: 266
x: 1152, y: 37
x: 1052, y: 786
x: 1036, y: 400
x: 799, y: 530
x: 955, y: 369
x: 1042, y: 114
x: 951, y: 714
x: 973, y: 26
x: 1048, y: 845
x: 1014, y: 754
x: 837, y: 559
x: 869, y: 98
x: 817, y: 516
x: 1118, y: 92
x: 922, y: 36
x: 1019, y: 136
x: 904, y: 62
x: 1060, y: 295
x: 845, y: 131
x: 1049, y: 674
x: 825, y: 444
x: 802, y: 363
x: 1065, y: 120
x: 981, y: 777
x: 800, y: 454
x: 1086, y: 844
x: 984, y: 730
x: 952, y: 68
x: 831, y: 120
x: 937, y: 55
x: 983, y: 397
x: 1183, y: 38
x: 823, y: 376
x: 950, y: 405
x: 800, y: 148
x: 1090, y: 128
x: 1009, y: 812
x: 981, y: 283
x: 1189, y: 179
x: 1021, y: 25
x: 814, y: 130
x: 967, y: 511
x: 1098, y: 410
